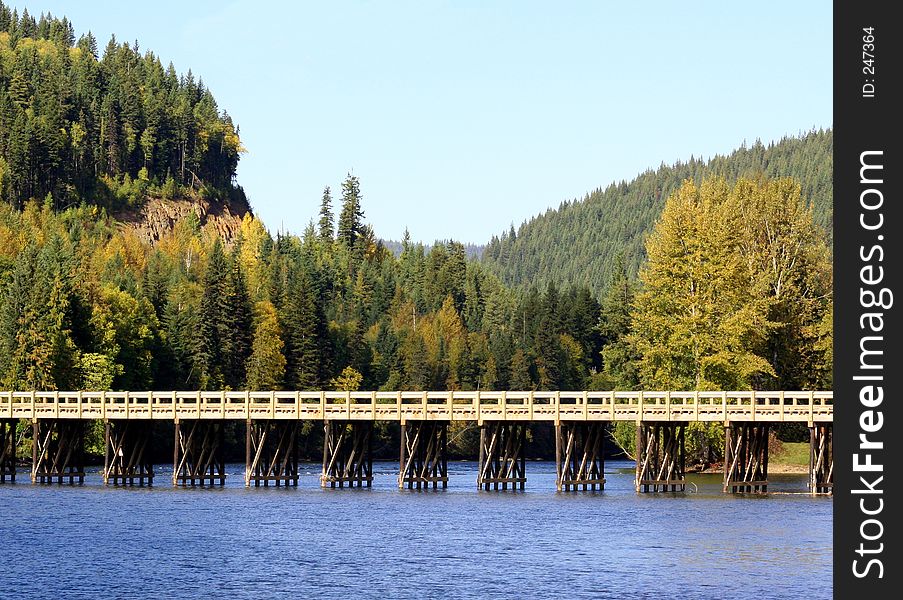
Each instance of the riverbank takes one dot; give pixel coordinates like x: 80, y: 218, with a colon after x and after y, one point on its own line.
x: 788, y: 458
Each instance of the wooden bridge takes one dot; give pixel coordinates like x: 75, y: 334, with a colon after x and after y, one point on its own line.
x: 272, y: 420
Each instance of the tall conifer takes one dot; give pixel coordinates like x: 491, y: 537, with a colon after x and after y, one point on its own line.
x: 351, y: 219
x: 326, y: 224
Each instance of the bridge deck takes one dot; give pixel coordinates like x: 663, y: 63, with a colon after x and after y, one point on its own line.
x: 771, y: 406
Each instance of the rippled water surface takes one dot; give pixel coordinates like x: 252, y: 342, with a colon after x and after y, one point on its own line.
x: 92, y: 541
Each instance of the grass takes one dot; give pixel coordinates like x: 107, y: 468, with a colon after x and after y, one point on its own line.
x: 792, y: 453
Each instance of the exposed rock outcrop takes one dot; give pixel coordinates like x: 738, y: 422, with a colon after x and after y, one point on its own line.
x: 157, y: 216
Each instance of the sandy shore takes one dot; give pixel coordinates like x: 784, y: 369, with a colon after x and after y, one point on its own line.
x: 773, y: 469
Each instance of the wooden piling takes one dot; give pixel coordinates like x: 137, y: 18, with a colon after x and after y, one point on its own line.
x: 198, y: 457
x: 126, y: 454
x: 7, y: 450
x: 746, y: 457
x: 660, y: 457
x: 271, y: 453
x: 424, y: 458
x: 502, y: 456
x: 347, y: 454
x: 58, y: 451
x: 821, y: 458
x: 580, y: 455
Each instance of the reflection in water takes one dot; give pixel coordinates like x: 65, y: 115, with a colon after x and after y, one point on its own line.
x: 90, y: 541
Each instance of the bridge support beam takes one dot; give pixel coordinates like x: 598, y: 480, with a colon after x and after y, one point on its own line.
x: 821, y: 458
x: 746, y: 457
x: 58, y: 451
x: 347, y: 454
x: 424, y: 461
x: 271, y: 453
x: 579, y: 455
x: 502, y: 457
x: 125, y: 457
x: 7, y: 450
x: 660, y: 457
x: 198, y: 452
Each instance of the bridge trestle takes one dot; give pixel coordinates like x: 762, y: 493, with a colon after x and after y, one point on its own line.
x: 271, y: 453
x: 579, y: 455
x: 126, y: 455
x: 660, y: 457
x: 746, y: 457
x: 424, y: 459
x: 198, y: 452
x: 347, y: 454
x: 502, y: 458
x: 7, y: 450
x: 821, y: 459
x: 58, y: 451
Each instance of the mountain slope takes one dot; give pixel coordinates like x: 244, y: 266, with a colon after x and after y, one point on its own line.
x: 581, y: 241
x: 106, y: 128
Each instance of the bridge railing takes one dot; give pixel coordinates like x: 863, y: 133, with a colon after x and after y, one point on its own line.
x: 773, y: 406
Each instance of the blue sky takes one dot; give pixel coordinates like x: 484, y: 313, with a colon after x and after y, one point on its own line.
x: 460, y: 118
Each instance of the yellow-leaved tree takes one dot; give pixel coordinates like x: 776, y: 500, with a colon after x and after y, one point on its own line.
x: 789, y: 259
x: 701, y: 314
x: 266, y: 365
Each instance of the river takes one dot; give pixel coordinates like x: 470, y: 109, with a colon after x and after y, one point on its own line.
x: 92, y: 541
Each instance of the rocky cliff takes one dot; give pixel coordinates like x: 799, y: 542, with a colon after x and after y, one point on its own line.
x: 157, y: 216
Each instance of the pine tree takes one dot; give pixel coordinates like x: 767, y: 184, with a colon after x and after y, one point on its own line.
x: 550, y: 357
x: 155, y: 284
x: 326, y: 218
x: 473, y: 302
x: 520, y: 372
x: 299, y: 324
x: 239, y: 321
x: 187, y: 344
x: 619, y: 361
x: 214, y: 317
x: 351, y: 219
x: 16, y: 318
x: 416, y: 371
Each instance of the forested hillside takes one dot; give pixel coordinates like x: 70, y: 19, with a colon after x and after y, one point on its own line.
x: 582, y: 241
x: 87, y: 304
x: 471, y: 251
x: 107, y: 128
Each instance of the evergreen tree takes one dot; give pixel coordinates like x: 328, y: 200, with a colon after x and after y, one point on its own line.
x: 155, y: 284
x: 618, y: 357
x: 299, y: 323
x: 416, y: 373
x: 520, y: 372
x: 239, y: 321
x: 215, y: 318
x: 186, y: 343
x: 473, y: 302
x: 550, y: 357
x: 351, y: 219
x: 326, y: 218
x: 17, y: 318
